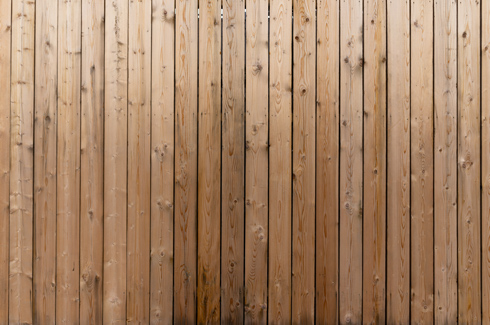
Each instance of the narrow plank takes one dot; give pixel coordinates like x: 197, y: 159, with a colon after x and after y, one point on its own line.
x: 469, y: 253
x: 485, y: 168
x: 92, y: 163
x: 398, y: 177
x: 304, y: 47
x: 45, y: 126
x: 280, y: 184
x: 445, y: 173
x: 208, y: 288
x: 115, y: 162
x: 162, y: 162
x: 351, y: 115
x: 422, y: 175
x: 68, y: 163
x: 233, y: 160
x: 139, y: 175
x: 374, y: 260
x: 257, y: 161
x: 21, y: 162
x: 5, y: 36
x: 186, y: 81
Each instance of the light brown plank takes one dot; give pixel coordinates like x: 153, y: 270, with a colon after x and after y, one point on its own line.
x: 186, y: 81
x: 469, y: 272
x: 162, y: 162
x: 68, y: 170
x: 5, y: 45
x: 256, y: 181
x: 398, y: 177
x: 208, y: 288
x: 374, y: 233
x: 485, y: 182
x: 45, y: 126
x: 351, y: 117
x: 280, y: 184
x: 92, y: 162
x: 445, y: 174
x: 233, y: 160
x: 139, y: 175
x: 115, y: 161
x: 422, y: 175
x: 21, y: 162
x: 304, y: 46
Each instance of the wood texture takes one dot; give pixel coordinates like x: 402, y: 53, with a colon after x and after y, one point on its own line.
x: 256, y: 182
x: 445, y: 175
x: 280, y: 142
x: 209, y: 211
x: 21, y: 162
x: 115, y: 161
x: 304, y: 53
x: 398, y: 177
x: 162, y: 162
x: 68, y: 163
x: 469, y: 202
x: 186, y: 82
x: 374, y: 233
x: 45, y: 126
x: 233, y: 162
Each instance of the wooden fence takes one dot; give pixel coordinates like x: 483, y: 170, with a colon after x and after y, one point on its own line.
x: 161, y: 162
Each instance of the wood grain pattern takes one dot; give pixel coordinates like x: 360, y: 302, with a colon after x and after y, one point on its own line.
x: 445, y: 174
x: 21, y: 162
x: 398, y: 188
x: 5, y: 56
x: 186, y: 81
x: 139, y: 176
x: 45, y: 128
x: 351, y: 117
x: 233, y: 162
x: 92, y: 163
x: 256, y: 182
x: 280, y: 141
x: 304, y: 53
x: 209, y: 216
x: 374, y: 234
x: 469, y: 253
x: 422, y: 151
x: 115, y: 161
x: 162, y: 162
x: 68, y: 170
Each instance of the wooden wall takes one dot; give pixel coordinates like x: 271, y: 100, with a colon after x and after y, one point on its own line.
x: 244, y: 161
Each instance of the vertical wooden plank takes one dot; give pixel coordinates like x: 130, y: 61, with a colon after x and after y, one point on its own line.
x: 374, y: 234
x: 257, y: 160
x: 469, y: 297
x: 485, y: 168
x: 422, y: 200
x: 185, y: 269
x: 208, y: 288
x: 280, y: 184
x: 351, y: 115
x: 139, y: 123
x: 398, y: 188
x: 233, y: 160
x: 21, y: 162
x: 115, y: 161
x: 5, y: 33
x: 92, y: 162
x: 304, y: 53
x: 162, y: 162
x: 68, y: 170
x: 445, y: 177
x: 45, y: 126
